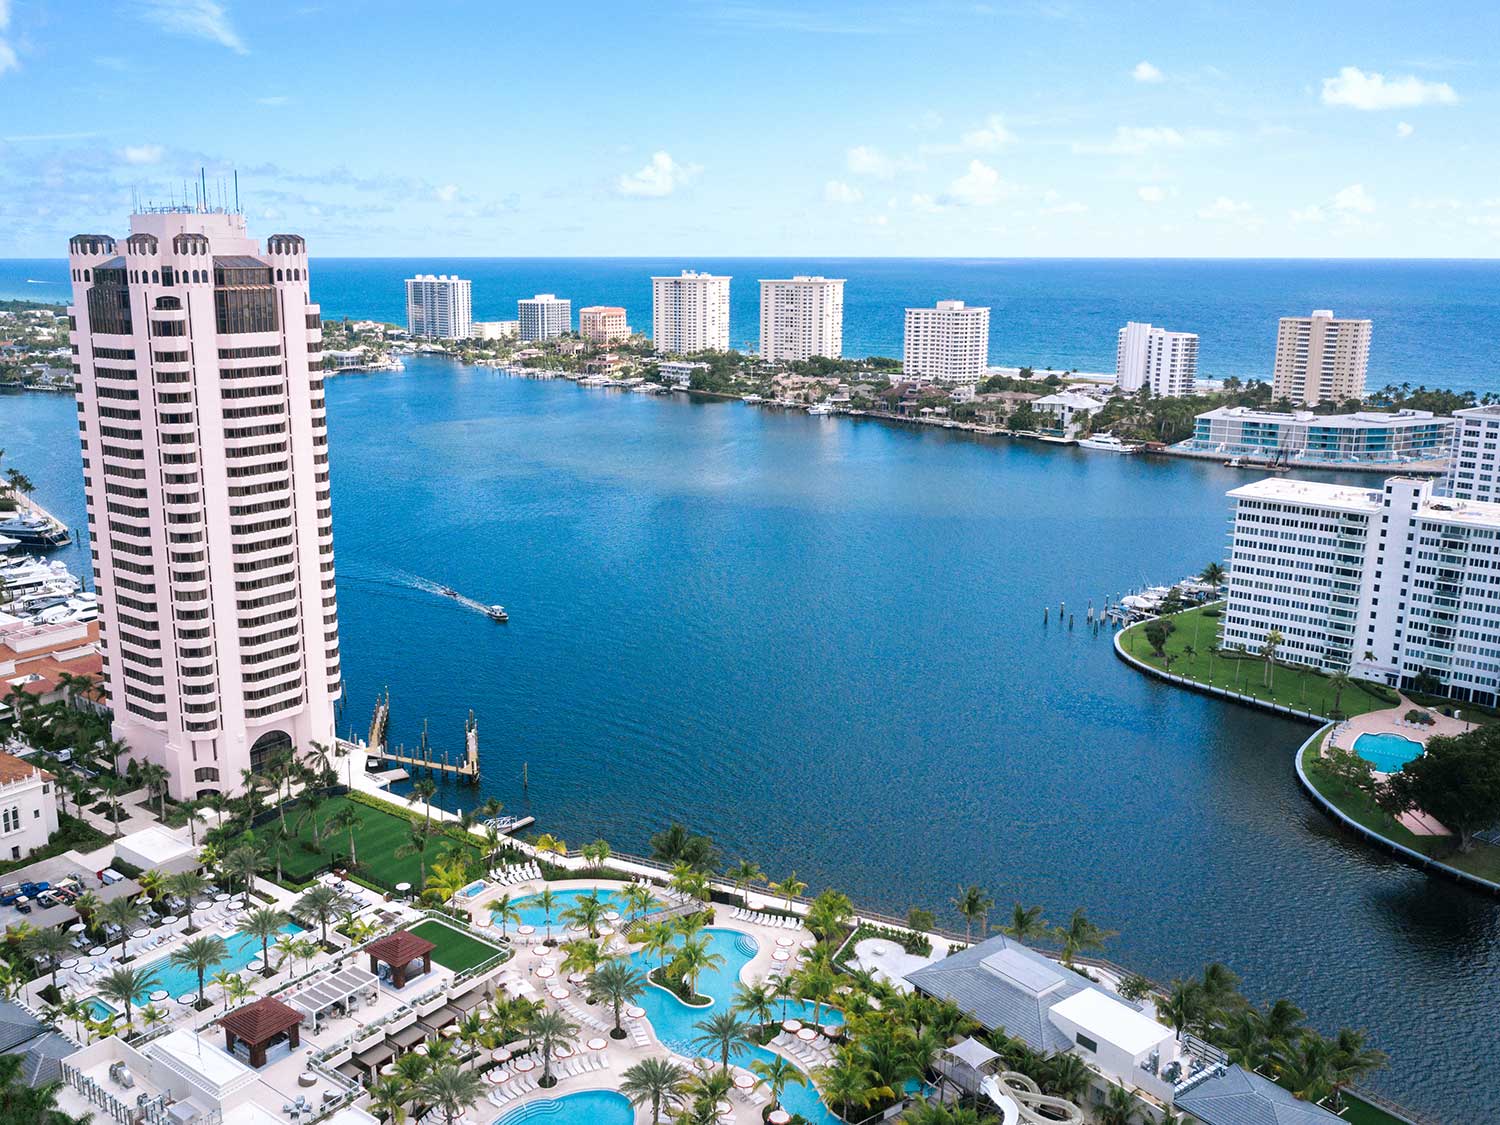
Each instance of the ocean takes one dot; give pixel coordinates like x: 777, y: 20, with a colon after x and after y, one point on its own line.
x: 1436, y: 322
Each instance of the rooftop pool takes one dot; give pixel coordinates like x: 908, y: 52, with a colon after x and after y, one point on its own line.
x: 179, y: 980
x: 589, y: 1107
x: 532, y: 913
x: 1387, y: 752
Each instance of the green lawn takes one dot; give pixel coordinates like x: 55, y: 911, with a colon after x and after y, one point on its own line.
x: 1358, y: 1112
x: 1291, y: 686
x: 455, y: 950
x: 1357, y: 805
x: 381, y: 832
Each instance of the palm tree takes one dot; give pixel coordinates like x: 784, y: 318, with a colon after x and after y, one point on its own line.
x: 1183, y: 1006
x: 778, y: 1073
x: 448, y: 878
x: 581, y: 956
x: 549, y: 1030
x: 239, y: 988
x: 347, y: 819
x: 1026, y: 924
x: 617, y: 984
x: 418, y: 837
x: 816, y: 983
x: 504, y: 910
x: 847, y: 1082
x: 756, y: 1001
x: 548, y: 902
x: 48, y: 946
x: 693, y: 959
x: 113, y: 786
x: 1080, y: 934
x: 221, y: 981
x: 388, y: 1097
x: 1309, y: 1071
x: 587, y: 912
x: 597, y: 854
x: 973, y: 904
x: 242, y: 862
x: 742, y: 874
x: 450, y: 1090
x: 188, y: 886
x: 313, y: 801
x: 321, y: 904
x: 124, y: 984
x: 201, y: 954
x: 1338, y: 681
x: 1351, y: 1061
x: 154, y: 777
x: 1268, y: 652
x: 1065, y: 1076
x: 655, y: 1080
x: 123, y: 913
x: 639, y: 899
x: 789, y: 888
x: 725, y: 1034
x: 1120, y: 1107
x: 658, y: 939
x: 423, y: 791
x: 1213, y: 574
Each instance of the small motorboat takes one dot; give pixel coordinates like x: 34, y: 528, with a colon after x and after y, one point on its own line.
x: 448, y: 591
x: 496, y: 613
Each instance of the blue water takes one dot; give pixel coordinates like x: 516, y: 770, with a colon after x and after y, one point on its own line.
x: 588, y: 1107
x: 1435, y: 321
x: 1387, y: 752
x: 534, y: 915
x: 820, y: 641
x: 99, y: 1008
x: 179, y: 981
x: 673, y: 1021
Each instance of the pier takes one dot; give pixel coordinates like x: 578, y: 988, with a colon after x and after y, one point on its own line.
x: 424, y: 757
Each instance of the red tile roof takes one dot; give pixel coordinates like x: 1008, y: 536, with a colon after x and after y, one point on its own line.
x: 261, y: 1021
x: 18, y: 769
x: 399, y: 948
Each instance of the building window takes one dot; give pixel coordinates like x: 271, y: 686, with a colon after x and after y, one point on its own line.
x: 10, y: 820
x: 1086, y: 1043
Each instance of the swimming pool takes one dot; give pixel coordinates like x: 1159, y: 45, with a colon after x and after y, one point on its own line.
x: 533, y: 915
x: 589, y: 1107
x: 100, y: 1009
x: 673, y: 1021
x: 179, y: 980
x: 1387, y: 752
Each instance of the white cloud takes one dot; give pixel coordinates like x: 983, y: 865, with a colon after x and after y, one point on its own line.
x: 1135, y: 140
x: 837, y: 191
x: 197, y: 19
x: 992, y: 135
x: 142, y: 154
x: 662, y: 176
x: 1436, y: 203
x: 925, y: 204
x: 447, y: 193
x: 4, y: 14
x: 866, y: 160
x: 1354, y: 199
x: 1145, y: 72
x: 1070, y: 208
x: 1224, y: 208
x: 8, y: 59
x: 980, y: 186
x: 1354, y: 88
x: 1404, y: 129
x: 1150, y: 193
x: 1313, y: 214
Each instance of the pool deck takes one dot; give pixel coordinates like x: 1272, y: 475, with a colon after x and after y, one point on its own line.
x: 1391, y: 721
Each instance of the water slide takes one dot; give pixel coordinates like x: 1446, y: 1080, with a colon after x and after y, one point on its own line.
x: 1020, y: 1101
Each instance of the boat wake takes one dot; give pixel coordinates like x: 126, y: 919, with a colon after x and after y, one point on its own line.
x: 427, y: 585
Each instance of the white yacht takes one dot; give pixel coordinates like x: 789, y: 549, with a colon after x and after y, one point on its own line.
x: 1107, y: 443
x: 820, y: 408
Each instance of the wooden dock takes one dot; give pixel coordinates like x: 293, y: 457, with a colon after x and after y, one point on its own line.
x: 424, y: 757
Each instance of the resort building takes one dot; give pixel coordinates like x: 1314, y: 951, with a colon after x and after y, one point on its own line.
x: 205, y: 456
x: 801, y: 317
x: 495, y: 330
x: 1474, y: 473
x: 438, y: 308
x: 1065, y: 410
x: 690, y: 313
x: 35, y: 658
x: 544, y: 316
x: 603, y: 324
x: 28, y: 807
x: 1320, y: 358
x: 1147, y: 356
x: 1368, y: 437
x: 1393, y: 584
x: 677, y: 372
x: 949, y: 343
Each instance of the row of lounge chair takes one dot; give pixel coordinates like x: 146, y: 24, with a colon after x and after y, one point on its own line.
x: 517, y: 873
x: 774, y: 920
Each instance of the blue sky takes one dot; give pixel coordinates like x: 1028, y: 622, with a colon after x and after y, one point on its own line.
x: 1049, y: 128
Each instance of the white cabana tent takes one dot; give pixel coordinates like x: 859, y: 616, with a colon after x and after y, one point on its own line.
x: 342, y: 991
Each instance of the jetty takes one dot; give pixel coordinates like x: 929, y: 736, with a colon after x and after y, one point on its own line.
x: 424, y: 757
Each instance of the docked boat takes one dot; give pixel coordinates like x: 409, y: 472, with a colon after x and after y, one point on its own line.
x: 496, y: 613
x: 32, y: 530
x: 820, y: 408
x: 1107, y: 443
x: 6, y: 542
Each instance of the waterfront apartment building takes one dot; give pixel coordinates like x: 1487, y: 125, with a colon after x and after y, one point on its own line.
x: 544, y: 316
x: 205, y: 455
x: 1368, y: 437
x: 438, y: 308
x: 1395, y: 584
x: 690, y: 313
x: 495, y: 329
x: 802, y: 317
x: 1474, y: 473
x: 948, y: 343
x: 1320, y: 358
x: 1147, y: 356
x: 603, y: 324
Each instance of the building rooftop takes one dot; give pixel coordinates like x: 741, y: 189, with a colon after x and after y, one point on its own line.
x: 13, y: 769
x: 399, y: 948
x: 1240, y: 1097
x: 261, y: 1021
x: 1286, y: 490
x: 1111, y: 1021
x: 1362, y: 419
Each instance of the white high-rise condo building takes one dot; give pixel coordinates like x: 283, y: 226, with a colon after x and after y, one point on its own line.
x: 544, y: 316
x: 801, y: 317
x: 690, y: 313
x: 1147, y: 356
x: 949, y: 343
x: 1393, y: 584
x: 1320, y: 358
x: 439, y: 308
x: 205, y: 455
x: 1474, y: 472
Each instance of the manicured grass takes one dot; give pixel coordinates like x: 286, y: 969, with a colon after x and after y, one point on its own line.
x: 380, y: 833
x: 1291, y: 686
x: 455, y: 950
x: 1357, y: 805
x: 1358, y: 1112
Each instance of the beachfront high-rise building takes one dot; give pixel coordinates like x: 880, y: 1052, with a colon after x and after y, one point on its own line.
x: 1394, y: 584
x: 544, y: 316
x: 438, y: 308
x: 1147, y: 356
x: 690, y: 313
x: 801, y: 317
x: 1320, y: 358
x: 205, y: 456
x: 949, y: 343
x: 603, y: 324
x: 1474, y: 472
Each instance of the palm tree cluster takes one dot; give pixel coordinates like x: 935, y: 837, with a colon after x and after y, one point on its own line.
x: 682, y: 951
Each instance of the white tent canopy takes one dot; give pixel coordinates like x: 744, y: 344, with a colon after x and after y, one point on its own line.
x: 325, y: 991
